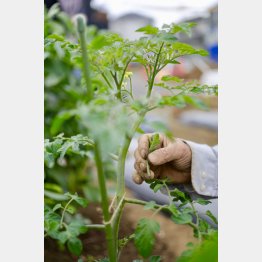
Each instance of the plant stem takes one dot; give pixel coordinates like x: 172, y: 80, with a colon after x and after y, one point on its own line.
x: 168, y: 192
x: 96, y: 226
x: 140, y: 202
x: 143, y: 203
x: 155, y: 71
x: 86, y: 71
x: 122, y: 78
x: 112, y: 249
x: 120, y: 188
x: 63, y: 213
x: 197, y: 220
x: 107, y: 81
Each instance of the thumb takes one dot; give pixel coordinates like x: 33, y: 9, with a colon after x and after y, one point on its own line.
x: 162, y: 155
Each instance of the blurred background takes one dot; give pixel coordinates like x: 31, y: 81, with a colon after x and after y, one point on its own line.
x: 124, y: 17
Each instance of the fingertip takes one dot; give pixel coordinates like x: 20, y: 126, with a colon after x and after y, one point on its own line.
x: 137, y: 179
x: 150, y: 176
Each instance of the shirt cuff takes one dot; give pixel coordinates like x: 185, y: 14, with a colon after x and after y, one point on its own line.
x: 204, y: 169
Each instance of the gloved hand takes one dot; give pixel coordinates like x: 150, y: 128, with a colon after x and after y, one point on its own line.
x: 172, y: 160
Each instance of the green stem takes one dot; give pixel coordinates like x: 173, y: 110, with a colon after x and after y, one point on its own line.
x: 155, y: 71
x: 63, y: 213
x: 115, y: 78
x: 131, y: 88
x: 107, y: 81
x: 95, y: 226
x: 86, y: 71
x: 123, y: 76
x: 197, y: 221
x: 112, y: 249
x: 143, y: 203
x: 120, y: 188
x: 168, y: 192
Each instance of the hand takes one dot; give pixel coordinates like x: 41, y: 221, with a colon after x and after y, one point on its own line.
x: 172, y: 160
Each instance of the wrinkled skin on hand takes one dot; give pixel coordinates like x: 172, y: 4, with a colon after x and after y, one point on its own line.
x: 171, y: 160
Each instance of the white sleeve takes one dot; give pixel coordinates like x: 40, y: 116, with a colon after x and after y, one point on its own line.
x: 204, y: 169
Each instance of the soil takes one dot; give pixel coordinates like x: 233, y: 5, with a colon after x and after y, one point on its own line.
x: 171, y: 240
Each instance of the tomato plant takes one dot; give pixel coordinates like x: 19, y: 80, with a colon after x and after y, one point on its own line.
x: 91, y: 116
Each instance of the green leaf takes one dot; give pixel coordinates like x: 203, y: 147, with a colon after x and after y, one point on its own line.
x: 54, y: 10
x: 71, y: 209
x: 171, y: 78
x: 196, y: 102
x: 154, y: 143
x: 149, y: 205
x: 55, y: 196
x: 53, y: 187
x: 186, y: 49
x: 203, y: 226
x: 62, y: 237
x: 81, y: 201
x: 145, y: 234
x: 190, y: 244
x: 149, y: 30
x: 177, y: 100
x: 206, y: 251
x: 167, y: 37
x: 214, y: 219
x: 59, y: 120
x: 155, y: 259
x: 202, y: 202
x: 180, y: 196
x: 57, y: 206
x: 140, y: 131
x: 75, y: 246
x: 99, y: 42
x: 156, y: 185
x: 77, y: 227
x: 49, y: 159
x: 173, y: 210
x: 182, y: 218
x: 56, y: 37
x: 182, y: 27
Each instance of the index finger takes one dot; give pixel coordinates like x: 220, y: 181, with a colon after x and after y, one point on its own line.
x: 143, y: 145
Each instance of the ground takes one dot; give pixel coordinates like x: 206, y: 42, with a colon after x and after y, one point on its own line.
x: 171, y: 240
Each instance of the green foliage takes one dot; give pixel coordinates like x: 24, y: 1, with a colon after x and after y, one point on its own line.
x: 156, y: 185
x: 154, y: 143
x: 61, y: 146
x: 88, y: 90
x: 145, y: 233
x: 66, y: 232
x: 150, y: 205
x: 155, y: 259
x: 206, y: 251
x: 208, y: 213
x: 75, y: 246
x: 149, y: 30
